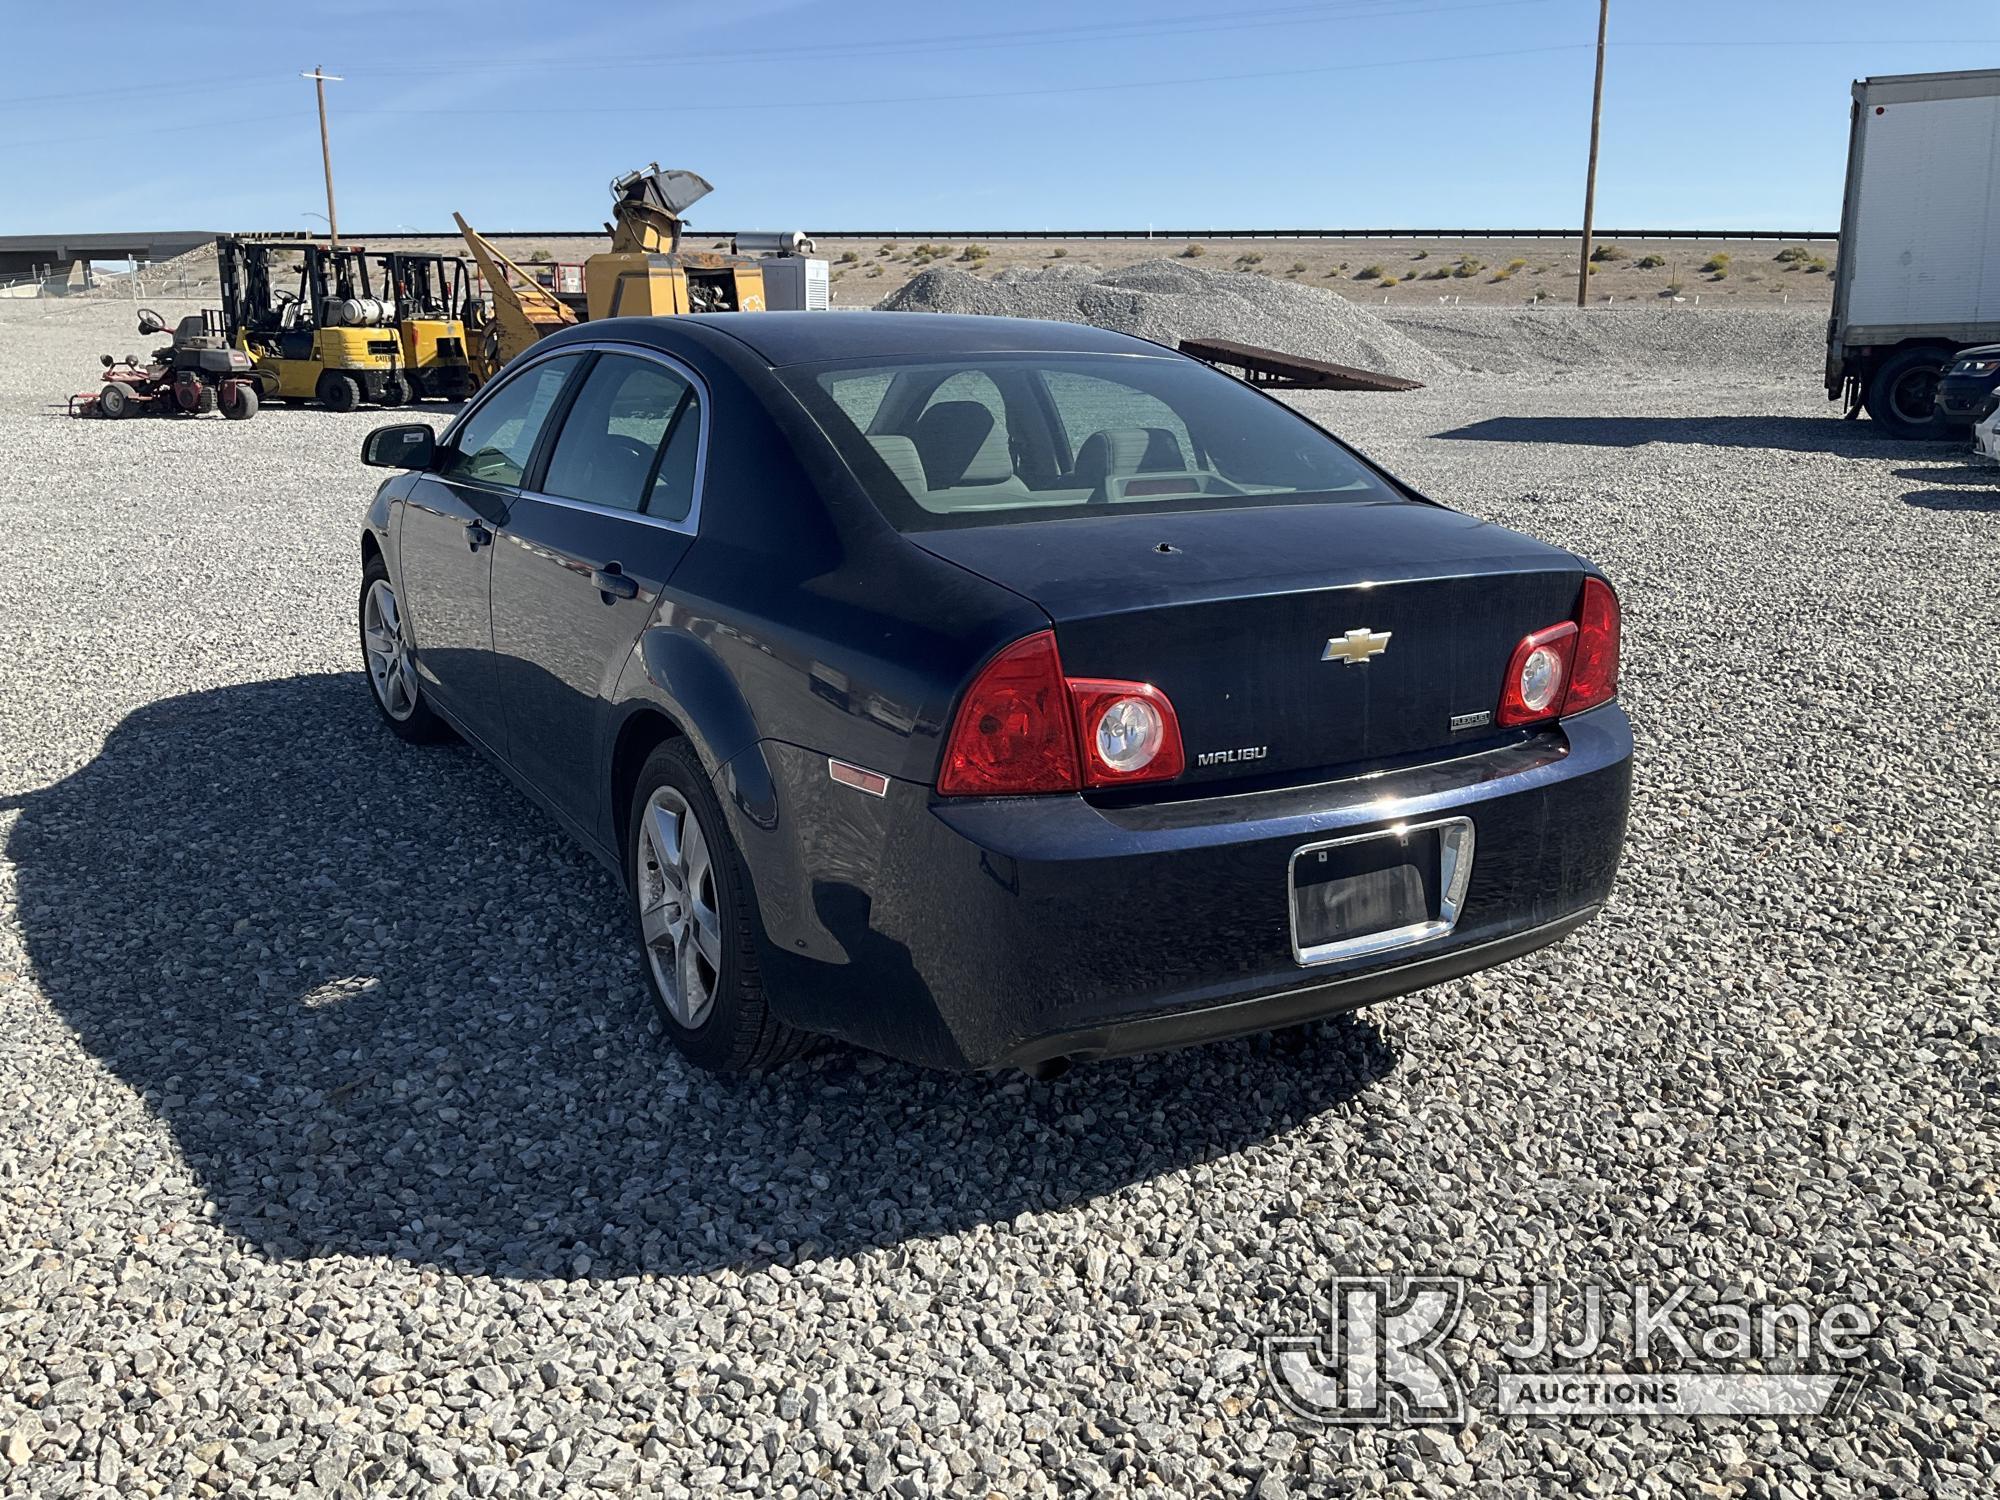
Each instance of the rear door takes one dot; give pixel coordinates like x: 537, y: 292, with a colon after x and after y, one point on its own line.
x: 444, y: 540
x: 581, y: 565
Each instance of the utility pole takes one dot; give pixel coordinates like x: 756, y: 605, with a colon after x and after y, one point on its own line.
x: 322, y: 79
x: 1591, y: 181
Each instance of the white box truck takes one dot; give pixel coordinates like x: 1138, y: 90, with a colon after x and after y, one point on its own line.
x: 1919, y: 272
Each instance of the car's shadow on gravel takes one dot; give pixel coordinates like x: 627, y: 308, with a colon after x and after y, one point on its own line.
x: 1829, y: 434
x: 385, y: 1008
x: 1981, y: 491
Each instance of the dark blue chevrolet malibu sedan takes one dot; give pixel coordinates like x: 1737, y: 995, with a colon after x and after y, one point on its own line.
x: 992, y: 692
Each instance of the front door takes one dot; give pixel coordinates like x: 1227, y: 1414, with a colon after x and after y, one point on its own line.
x: 581, y: 564
x: 444, y: 543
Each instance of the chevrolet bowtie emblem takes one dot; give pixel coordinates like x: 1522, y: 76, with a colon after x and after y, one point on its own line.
x: 1356, y: 646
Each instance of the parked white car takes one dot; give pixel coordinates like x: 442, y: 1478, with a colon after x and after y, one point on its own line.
x: 1986, y: 436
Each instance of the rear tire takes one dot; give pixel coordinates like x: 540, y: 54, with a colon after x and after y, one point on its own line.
x: 338, y: 392
x: 239, y: 403
x: 688, y: 888
x: 1902, y: 395
x: 393, y: 685
x: 114, y: 401
x: 417, y: 391
x: 395, y: 391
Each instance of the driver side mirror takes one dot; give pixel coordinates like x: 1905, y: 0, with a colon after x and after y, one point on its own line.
x: 407, y: 445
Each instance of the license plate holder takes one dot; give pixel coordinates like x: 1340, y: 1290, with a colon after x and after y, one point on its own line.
x: 1371, y: 893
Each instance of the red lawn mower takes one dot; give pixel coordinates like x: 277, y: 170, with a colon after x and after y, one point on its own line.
x: 196, y: 374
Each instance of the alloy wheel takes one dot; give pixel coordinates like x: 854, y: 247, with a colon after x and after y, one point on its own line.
x: 1915, y: 395
x: 390, y: 670
x: 679, y: 923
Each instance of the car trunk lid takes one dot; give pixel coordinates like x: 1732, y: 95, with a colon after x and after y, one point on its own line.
x: 1290, y: 639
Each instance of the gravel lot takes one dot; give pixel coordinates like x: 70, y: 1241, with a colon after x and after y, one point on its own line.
x: 337, y: 1155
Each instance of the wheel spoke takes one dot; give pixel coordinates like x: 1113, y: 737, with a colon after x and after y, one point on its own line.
x: 385, y: 601
x: 706, y: 933
x: 655, y: 922
x: 663, y: 836
x: 693, y: 994
x: 694, y: 854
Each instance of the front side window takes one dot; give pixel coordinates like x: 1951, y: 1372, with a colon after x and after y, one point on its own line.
x: 494, y: 445
x: 625, y: 417
x: 996, y: 439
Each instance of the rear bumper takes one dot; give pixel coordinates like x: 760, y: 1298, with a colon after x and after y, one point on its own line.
x: 1289, y: 1007
x: 984, y: 933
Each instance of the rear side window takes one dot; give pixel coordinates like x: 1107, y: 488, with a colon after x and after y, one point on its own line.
x: 859, y: 395
x: 496, y: 441
x: 994, y: 439
x: 671, y: 497
x: 609, y: 451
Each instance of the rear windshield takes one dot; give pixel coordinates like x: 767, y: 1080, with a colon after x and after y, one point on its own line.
x: 995, y: 439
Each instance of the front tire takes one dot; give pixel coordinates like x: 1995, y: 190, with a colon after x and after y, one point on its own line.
x: 114, y: 401
x: 387, y: 660
x: 395, y: 392
x: 691, y: 907
x: 239, y: 402
x: 1902, y: 396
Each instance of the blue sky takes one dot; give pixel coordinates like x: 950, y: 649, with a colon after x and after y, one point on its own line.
x: 830, y: 114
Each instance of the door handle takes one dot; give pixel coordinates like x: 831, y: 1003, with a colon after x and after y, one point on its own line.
x: 613, y: 584
x: 476, y: 535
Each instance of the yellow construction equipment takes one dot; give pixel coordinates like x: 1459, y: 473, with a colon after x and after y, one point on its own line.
x: 523, y: 309
x: 430, y: 294
x: 332, y: 340
x: 645, y: 273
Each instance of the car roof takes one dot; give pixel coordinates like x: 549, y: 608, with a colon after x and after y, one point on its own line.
x: 795, y: 338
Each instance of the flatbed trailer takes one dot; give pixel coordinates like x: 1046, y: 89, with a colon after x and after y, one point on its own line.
x: 1272, y: 369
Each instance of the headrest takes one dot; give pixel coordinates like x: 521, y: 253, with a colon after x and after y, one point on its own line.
x: 960, y: 443
x: 1128, y: 450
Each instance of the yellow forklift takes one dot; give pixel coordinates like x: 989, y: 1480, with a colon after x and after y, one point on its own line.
x: 645, y: 273
x: 332, y: 340
x: 431, y: 293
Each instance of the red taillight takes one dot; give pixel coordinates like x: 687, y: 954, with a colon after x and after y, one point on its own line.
x: 1567, y: 668
x: 1014, y: 731
x: 1024, y: 727
x: 1536, y: 676
x: 1593, y: 676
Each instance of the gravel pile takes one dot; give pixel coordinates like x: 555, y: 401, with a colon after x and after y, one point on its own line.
x: 1764, y: 345
x: 1168, y: 300
x: 194, y: 273
x: 337, y: 1157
